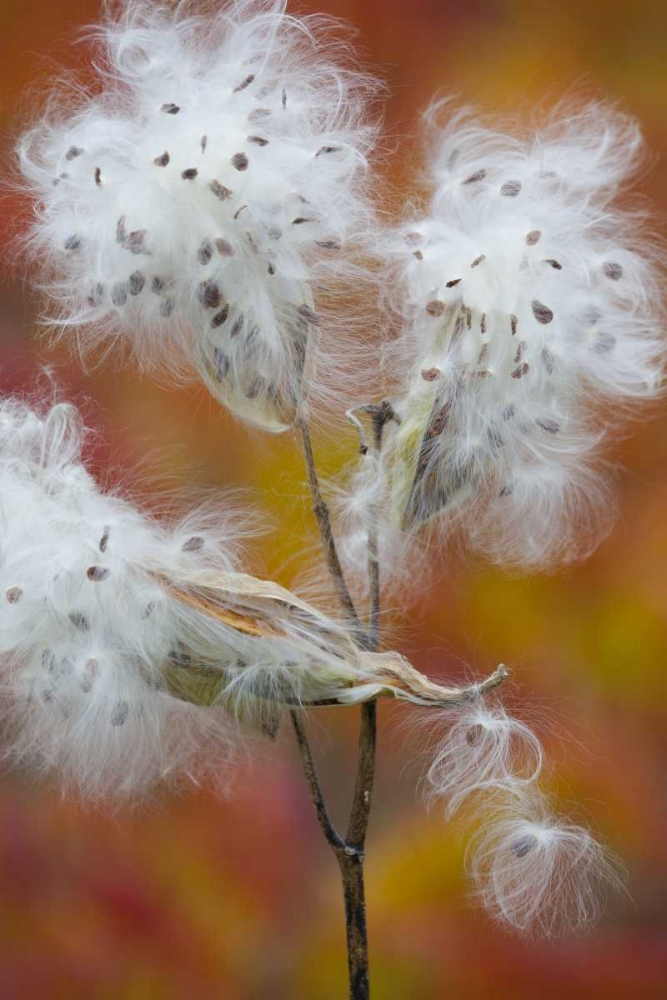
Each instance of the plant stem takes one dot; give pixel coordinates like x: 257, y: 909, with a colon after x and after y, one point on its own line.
x: 321, y: 512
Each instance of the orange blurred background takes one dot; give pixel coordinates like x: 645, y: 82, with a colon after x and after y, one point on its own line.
x: 239, y: 899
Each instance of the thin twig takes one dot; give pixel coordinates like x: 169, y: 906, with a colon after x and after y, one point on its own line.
x: 321, y: 512
x: 329, y: 830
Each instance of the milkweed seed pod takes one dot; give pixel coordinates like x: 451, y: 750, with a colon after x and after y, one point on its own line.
x: 130, y: 649
x: 188, y: 209
x: 532, y: 320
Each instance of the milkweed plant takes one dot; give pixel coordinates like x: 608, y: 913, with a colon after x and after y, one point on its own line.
x: 208, y: 209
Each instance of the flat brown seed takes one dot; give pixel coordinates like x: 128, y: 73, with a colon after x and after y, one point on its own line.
x: 121, y: 233
x: 72, y: 243
x: 98, y: 573
x: 220, y: 191
x: 258, y: 140
x: 220, y: 317
x: 79, y: 621
x: 430, y: 374
x: 334, y: 245
x: 224, y: 248
x: 157, y: 284
x: 417, y: 254
x: 73, y: 152
x: 135, y: 242
x: 96, y: 297
x: 543, y: 314
x: 136, y: 283
x: 222, y: 364
x: 14, y: 595
x: 259, y: 114
x: 521, y: 350
x: 209, y: 294
x: 533, y: 237
x: 301, y: 219
x: 98, y: 176
x: 613, y: 270
x: 435, y: 308
x: 119, y: 293
x: 511, y: 189
x: 553, y: 263
x: 453, y: 282
x: 236, y: 327
x: 305, y: 312
x: 548, y: 425
x: 167, y: 308
x: 120, y: 714
x: 521, y: 370
x: 104, y: 540
x: 244, y: 83
x: 162, y: 161
x: 170, y: 109
x: 479, y: 175
x: 478, y: 260
x: 482, y: 323
x: 193, y: 544
x: 189, y: 174
x: 205, y: 252
x: 514, y: 322
x: 240, y: 161
x: 524, y: 845
x: 328, y: 149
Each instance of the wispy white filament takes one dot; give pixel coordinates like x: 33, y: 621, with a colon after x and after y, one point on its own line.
x: 190, y: 208
x: 532, y: 320
x: 128, y: 646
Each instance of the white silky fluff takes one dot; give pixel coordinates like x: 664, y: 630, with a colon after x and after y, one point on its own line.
x: 539, y: 874
x: 130, y: 648
x: 532, y: 319
x: 189, y: 208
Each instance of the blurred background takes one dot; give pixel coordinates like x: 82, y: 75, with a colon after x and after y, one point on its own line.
x: 202, y: 898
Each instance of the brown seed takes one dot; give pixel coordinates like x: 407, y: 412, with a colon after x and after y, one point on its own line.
x: 284, y: 98
x: 79, y: 621
x: 520, y: 351
x: 413, y: 238
x: 553, y: 263
x: 475, y: 735
x: 220, y: 191
x: 478, y: 260
x: 189, y: 174
x: 170, y: 109
x: 240, y: 161
x: 121, y: 233
x: 533, y: 237
x: 548, y: 425
x: 120, y: 714
x: 418, y: 255
x: 469, y: 317
x: 119, y: 293
x: 224, y: 248
x: 328, y: 149
x: 237, y: 326
x: 98, y: 176
x: 543, y: 314
x: 193, y: 544
x: 136, y: 283
x: 157, y: 285
x: 98, y: 573
x: 72, y: 243
x: 275, y: 232
x: 162, y: 161
x: 511, y: 189
x: 430, y: 374
x: 301, y: 219
x: 453, y: 282
x: 209, y: 294
x: 521, y: 370
x: 435, y: 308
x: 305, y: 312
x: 478, y: 176
x: 14, y: 595
x: 258, y: 140
x: 96, y: 297
x: 524, y: 845
x: 613, y: 271
x: 271, y: 268
x: 73, y: 152
x: 507, y: 491
x: 220, y: 317
x: 221, y: 362
x: 259, y: 114
x: 482, y: 323
x: 104, y: 540
x: 167, y: 308
x: 245, y: 83
x: 205, y: 252
x: 514, y: 321
x: 135, y: 242
x: 482, y: 354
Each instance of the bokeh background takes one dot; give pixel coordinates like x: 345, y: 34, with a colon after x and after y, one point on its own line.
x: 202, y: 898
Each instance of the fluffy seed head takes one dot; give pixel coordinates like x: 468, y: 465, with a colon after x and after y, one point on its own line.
x: 189, y: 208
x: 532, y: 315
x: 540, y: 875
